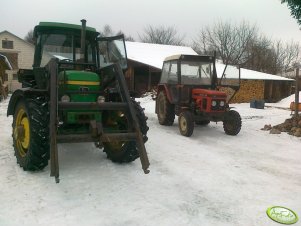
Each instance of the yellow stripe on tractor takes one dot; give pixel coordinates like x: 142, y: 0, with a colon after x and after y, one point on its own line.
x: 84, y: 83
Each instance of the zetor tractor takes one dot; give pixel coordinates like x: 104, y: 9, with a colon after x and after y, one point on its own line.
x: 76, y: 92
x: 189, y: 89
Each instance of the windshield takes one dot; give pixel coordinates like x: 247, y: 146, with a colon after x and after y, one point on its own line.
x: 64, y: 47
x: 196, y: 73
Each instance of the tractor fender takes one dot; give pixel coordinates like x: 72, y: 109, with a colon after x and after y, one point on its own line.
x: 19, y: 94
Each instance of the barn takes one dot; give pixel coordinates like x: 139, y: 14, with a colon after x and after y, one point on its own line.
x: 145, y: 62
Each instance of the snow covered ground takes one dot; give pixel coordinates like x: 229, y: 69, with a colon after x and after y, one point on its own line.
x: 208, y: 179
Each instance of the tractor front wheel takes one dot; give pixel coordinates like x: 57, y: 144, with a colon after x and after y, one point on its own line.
x: 166, y: 111
x: 232, y: 123
x: 31, y: 133
x: 186, y: 123
x: 126, y: 151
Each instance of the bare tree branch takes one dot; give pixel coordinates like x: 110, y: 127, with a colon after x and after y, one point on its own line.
x: 161, y: 35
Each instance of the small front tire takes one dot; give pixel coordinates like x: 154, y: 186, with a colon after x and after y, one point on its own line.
x: 232, y: 123
x: 186, y: 123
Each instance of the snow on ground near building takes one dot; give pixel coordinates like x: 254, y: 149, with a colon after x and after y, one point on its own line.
x: 208, y: 179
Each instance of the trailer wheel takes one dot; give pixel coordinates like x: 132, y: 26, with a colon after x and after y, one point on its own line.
x: 126, y: 151
x: 232, y: 123
x: 31, y: 133
x: 186, y: 123
x: 166, y: 111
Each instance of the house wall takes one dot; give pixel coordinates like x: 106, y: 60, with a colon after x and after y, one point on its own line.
x: 21, y: 56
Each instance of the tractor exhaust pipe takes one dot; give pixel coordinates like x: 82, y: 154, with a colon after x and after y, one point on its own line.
x: 83, y: 40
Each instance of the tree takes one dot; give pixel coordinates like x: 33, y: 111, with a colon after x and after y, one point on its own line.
x: 161, y: 35
x: 295, y: 8
x: 286, y: 54
x: 108, y: 31
x: 259, y: 55
x: 29, y: 37
x: 230, y: 41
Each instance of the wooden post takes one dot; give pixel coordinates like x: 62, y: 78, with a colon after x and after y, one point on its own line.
x: 297, y: 93
x: 149, y: 84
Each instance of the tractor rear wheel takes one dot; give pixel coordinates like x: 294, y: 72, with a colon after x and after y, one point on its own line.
x: 31, y: 133
x: 232, y: 123
x: 186, y: 123
x: 126, y: 151
x: 166, y: 111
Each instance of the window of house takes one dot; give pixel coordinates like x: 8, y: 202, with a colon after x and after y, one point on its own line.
x: 6, y: 44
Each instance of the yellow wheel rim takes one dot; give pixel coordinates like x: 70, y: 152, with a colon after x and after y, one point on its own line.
x: 183, y: 124
x: 22, y: 132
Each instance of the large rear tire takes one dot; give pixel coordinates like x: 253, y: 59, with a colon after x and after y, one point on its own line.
x: 186, y: 123
x: 126, y: 151
x: 166, y: 111
x: 232, y: 123
x: 31, y: 133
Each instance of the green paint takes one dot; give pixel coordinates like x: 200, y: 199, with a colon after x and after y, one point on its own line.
x: 282, y: 215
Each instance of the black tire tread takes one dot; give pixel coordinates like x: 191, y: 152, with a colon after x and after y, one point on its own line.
x: 232, y: 123
x: 38, y: 153
x: 129, y: 151
x: 169, y: 114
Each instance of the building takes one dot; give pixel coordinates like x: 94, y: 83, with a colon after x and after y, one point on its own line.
x: 19, y: 53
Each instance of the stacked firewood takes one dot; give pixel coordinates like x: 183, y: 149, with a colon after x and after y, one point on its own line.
x: 249, y: 90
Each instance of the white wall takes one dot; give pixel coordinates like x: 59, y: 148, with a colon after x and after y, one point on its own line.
x: 25, y: 53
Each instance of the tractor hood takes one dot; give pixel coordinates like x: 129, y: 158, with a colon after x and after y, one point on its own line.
x: 79, y: 84
x: 208, y: 93
x: 80, y: 78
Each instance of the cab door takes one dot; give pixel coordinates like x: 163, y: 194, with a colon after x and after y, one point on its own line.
x: 112, y: 50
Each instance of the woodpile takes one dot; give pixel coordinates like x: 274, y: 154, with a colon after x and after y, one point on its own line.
x: 249, y: 90
x: 291, y: 126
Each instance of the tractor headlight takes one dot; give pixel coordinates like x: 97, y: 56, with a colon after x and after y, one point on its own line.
x: 101, y: 99
x: 222, y: 103
x: 213, y: 103
x: 65, y: 98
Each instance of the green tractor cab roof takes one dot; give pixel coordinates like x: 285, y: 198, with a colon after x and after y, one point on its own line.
x: 48, y: 26
x: 189, y: 57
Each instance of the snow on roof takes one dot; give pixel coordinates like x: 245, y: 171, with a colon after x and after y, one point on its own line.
x: 232, y: 72
x: 154, y: 54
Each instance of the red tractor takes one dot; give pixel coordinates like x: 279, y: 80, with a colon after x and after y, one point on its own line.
x: 189, y: 88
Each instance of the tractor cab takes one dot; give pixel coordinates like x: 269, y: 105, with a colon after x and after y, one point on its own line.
x: 190, y: 88
x: 182, y: 74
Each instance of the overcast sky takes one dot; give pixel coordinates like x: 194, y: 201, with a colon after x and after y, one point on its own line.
x: 271, y: 17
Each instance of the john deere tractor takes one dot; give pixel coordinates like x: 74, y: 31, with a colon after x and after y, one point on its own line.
x: 189, y: 88
x: 76, y: 92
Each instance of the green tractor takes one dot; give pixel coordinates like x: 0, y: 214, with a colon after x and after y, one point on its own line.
x: 76, y: 92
